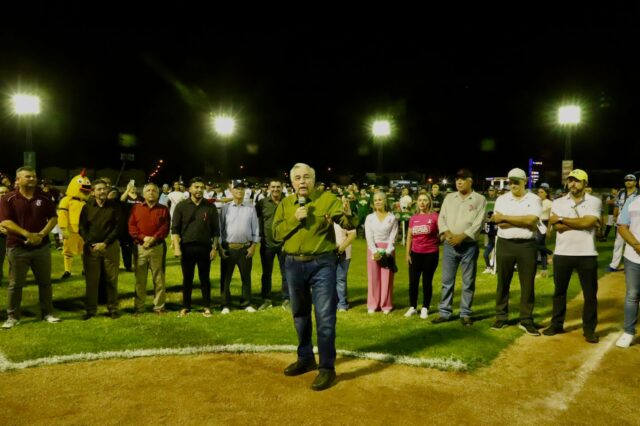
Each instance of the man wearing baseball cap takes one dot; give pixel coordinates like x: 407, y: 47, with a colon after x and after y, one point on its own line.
x: 575, y: 218
x: 517, y: 214
x: 630, y: 189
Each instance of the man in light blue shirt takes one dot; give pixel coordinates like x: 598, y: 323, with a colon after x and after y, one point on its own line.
x: 239, y: 234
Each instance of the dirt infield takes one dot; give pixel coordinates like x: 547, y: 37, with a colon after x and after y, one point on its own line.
x: 537, y: 380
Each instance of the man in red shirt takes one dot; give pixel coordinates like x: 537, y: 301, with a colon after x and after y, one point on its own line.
x: 148, y: 227
x: 28, y: 216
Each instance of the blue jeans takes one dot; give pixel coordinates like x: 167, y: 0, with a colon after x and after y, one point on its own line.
x: 465, y: 255
x: 341, y: 283
x: 314, y: 282
x: 632, y: 298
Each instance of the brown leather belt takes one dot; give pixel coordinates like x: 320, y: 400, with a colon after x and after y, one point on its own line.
x: 308, y: 258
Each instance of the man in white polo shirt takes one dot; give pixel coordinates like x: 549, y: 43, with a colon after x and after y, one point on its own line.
x: 575, y: 218
x: 629, y: 230
x: 517, y: 214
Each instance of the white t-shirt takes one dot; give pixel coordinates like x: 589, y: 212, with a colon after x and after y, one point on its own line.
x: 577, y: 242
x: 175, y: 197
x: 546, y: 209
x: 405, y: 203
x: 341, y: 235
x: 507, y: 204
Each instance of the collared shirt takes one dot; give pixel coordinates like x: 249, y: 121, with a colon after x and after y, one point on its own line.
x: 462, y: 215
x: 100, y: 224
x: 146, y: 221
x: 31, y: 214
x: 529, y: 204
x: 239, y: 223
x: 577, y: 242
x: 266, y: 209
x: 630, y: 216
x: 195, y: 223
x: 314, y: 235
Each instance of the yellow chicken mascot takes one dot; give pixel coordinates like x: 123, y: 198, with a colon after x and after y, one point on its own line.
x: 69, y: 218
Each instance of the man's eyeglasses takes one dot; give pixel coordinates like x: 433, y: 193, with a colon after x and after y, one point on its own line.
x: 514, y: 181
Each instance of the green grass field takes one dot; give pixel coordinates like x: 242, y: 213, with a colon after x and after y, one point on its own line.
x: 357, y: 331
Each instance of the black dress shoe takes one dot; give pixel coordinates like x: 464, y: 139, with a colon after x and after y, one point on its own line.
x: 66, y: 275
x: 88, y: 316
x: 115, y: 314
x: 324, y: 380
x: 300, y: 367
x: 590, y: 336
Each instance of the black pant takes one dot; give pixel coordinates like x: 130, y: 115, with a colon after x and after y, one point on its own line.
x: 508, y: 254
x: 126, y: 245
x: 239, y: 258
x: 195, y: 254
x: 424, y: 264
x: 267, y: 257
x: 587, y: 269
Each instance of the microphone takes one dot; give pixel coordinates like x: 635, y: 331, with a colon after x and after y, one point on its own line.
x: 301, y: 202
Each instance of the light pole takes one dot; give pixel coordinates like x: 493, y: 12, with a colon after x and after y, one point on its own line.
x: 569, y: 117
x: 381, y: 130
x: 224, y: 126
x: 27, y: 106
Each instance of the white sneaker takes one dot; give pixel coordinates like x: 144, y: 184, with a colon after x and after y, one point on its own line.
x: 371, y: 311
x: 411, y: 312
x: 487, y: 271
x: 386, y: 311
x: 51, y: 319
x: 225, y: 311
x: 424, y: 313
x: 10, y: 323
x: 250, y: 309
x: 625, y: 340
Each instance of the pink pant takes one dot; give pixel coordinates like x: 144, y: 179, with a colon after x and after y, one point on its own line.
x: 380, y: 284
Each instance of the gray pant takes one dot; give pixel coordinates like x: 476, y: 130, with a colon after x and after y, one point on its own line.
x: 104, y: 263
x: 20, y: 260
x: 508, y: 254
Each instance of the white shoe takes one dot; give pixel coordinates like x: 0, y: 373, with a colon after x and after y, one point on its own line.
x: 10, y: 323
x: 487, y: 271
x: 424, y: 313
x: 342, y: 309
x: 411, y: 312
x: 386, y: 311
x: 225, y: 311
x: 371, y: 311
x: 51, y: 319
x: 625, y: 340
x: 250, y: 309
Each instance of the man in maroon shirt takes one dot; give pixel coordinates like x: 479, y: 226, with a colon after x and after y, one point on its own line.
x: 148, y: 227
x: 28, y: 216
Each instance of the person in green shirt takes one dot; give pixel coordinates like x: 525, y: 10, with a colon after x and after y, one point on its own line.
x: 304, y: 221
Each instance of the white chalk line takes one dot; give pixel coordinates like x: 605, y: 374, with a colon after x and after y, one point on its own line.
x: 449, y: 364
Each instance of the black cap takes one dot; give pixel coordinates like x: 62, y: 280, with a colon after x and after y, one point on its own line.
x: 464, y: 174
x: 238, y: 183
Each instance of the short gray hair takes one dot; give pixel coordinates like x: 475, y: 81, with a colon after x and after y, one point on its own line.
x: 300, y: 165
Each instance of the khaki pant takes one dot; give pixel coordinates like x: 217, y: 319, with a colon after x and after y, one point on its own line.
x: 152, y: 259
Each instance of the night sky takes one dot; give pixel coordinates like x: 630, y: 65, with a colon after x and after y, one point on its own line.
x: 480, y: 92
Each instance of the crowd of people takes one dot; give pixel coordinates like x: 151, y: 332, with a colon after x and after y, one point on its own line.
x: 310, y: 228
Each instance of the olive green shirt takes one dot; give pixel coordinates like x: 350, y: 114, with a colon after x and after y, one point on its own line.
x: 315, y: 234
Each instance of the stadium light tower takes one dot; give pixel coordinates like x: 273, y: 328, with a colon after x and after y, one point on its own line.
x: 381, y: 131
x: 27, y: 106
x: 568, y: 117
